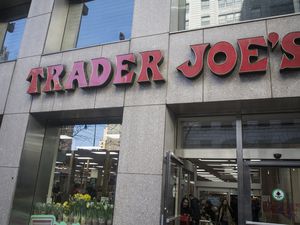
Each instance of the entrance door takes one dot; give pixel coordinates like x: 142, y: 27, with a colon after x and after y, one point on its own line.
x: 179, y: 179
x: 276, y: 197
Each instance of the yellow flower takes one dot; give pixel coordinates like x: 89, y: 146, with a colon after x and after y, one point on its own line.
x: 87, y: 197
x: 66, y: 204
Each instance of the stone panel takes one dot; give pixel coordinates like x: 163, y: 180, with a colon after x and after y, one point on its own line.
x: 284, y: 84
x: 38, y: 7
x: 12, y: 135
x: 34, y: 36
x: 150, y: 17
x: 142, y: 139
x: 111, y: 95
x: 79, y: 98
x: 44, y: 102
x: 138, y: 199
x: 6, y: 72
x: 154, y: 93
x: 7, y: 187
x: 18, y: 100
x: 235, y: 86
x: 181, y: 89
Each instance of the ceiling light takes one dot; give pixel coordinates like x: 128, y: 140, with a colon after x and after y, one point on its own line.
x: 99, y: 153
x: 113, y: 153
x: 64, y: 137
x: 83, y: 158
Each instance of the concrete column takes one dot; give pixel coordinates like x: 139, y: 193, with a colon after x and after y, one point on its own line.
x: 139, y: 180
x: 72, y: 26
x: 12, y: 134
x: 36, y: 28
x: 151, y: 17
x: 57, y: 26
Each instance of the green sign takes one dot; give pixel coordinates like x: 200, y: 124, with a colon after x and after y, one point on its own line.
x: 278, y: 194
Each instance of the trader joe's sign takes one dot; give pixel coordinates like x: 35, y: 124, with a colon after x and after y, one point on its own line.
x: 51, y: 78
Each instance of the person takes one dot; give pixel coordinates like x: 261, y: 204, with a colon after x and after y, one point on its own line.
x: 225, y: 214
x: 209, y: 211
x: 195, y: 210
x: 255, y: 209
x: 185, y: 212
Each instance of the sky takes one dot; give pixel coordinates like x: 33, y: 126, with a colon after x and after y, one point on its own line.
x: 105, y: 20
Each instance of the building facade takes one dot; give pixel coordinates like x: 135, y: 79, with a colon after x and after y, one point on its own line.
x: 206, y: 113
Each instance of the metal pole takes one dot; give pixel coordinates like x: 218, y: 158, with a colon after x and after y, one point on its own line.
x: 240, y: 167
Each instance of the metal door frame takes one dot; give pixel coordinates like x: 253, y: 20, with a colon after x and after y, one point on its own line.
x: 169, y: 158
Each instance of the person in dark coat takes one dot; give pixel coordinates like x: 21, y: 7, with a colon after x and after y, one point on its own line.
x: 195, y: 210
x: 185, y: 212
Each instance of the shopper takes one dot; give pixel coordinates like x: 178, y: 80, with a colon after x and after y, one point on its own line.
x: 195, y: 210
x: 185, y: 212
x: 225, y: 214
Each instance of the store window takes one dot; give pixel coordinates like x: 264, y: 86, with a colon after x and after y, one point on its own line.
x: 77, y: 180
x: 90, y: 23
x: 245, y: 9
x: 272, y: 131
x: 208, y: 133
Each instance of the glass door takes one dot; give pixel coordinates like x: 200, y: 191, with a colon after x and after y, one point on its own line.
x: 275, y: 196
x: 178, y: 182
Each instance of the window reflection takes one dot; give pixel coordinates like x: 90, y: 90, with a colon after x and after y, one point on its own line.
x: 105, y: 21
x: 227, y: 11
x: 12, y: 40
x: 214, y: 133
x: 272, y: 132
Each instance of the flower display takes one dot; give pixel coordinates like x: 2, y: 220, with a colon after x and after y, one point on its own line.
x: 79, y: 208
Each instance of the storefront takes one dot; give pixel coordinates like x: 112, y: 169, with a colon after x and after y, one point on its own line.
x: 167, y: 99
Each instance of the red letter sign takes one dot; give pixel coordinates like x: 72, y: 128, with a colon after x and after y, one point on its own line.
x: 77, y: 74
x: 122, y: 75
x: 192, y: 71
x: 151, y: 60
x: 53, y: 82
x: 290, y: 47
x: 102, y: 79
x: 34, y: 77
x: 228, y: 65
x: 247, y: 53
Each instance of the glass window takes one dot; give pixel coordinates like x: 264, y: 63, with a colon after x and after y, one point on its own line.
x: 277, y: 198
x: 271, y: 132
x: 205, y: 21
x: 106, y: 21
x: 93, y: 22
x: 12, y: 39
x: 208, y: 133
x: 247, y: 9
x: 205, y: 4
x: 82, y: 179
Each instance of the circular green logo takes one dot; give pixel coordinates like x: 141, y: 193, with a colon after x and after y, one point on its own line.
x: 278, y: 194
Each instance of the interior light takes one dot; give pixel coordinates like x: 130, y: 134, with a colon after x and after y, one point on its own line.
x: 214, y: 160
x: 64, y: 137
x: 113, y: 153
x: 84, y: 158
x: 99, y: 153
x: 255, y: 160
